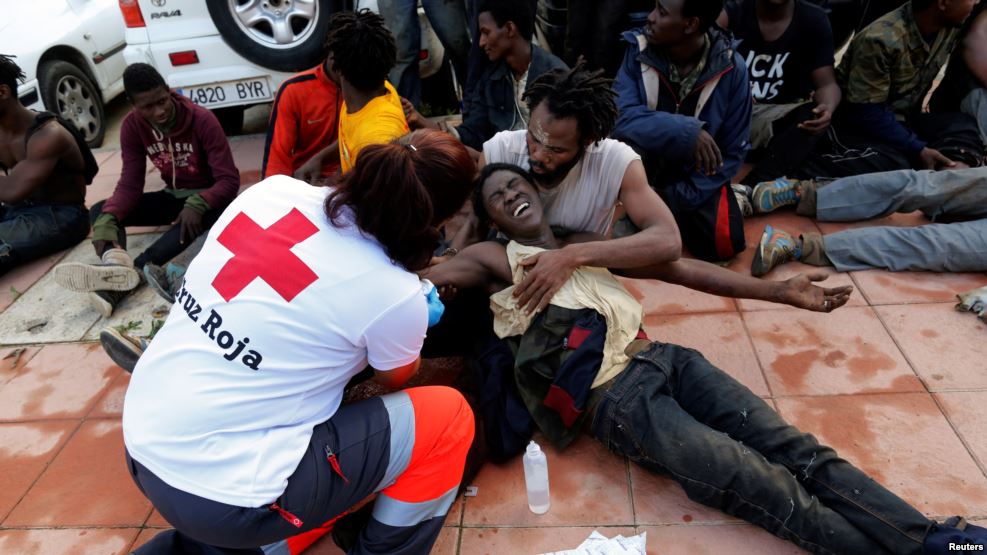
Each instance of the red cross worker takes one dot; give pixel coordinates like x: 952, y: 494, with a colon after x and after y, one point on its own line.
x: 233, y: 420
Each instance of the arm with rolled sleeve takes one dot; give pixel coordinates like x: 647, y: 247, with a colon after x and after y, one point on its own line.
x: 219, y: 157
x: 731, y: 133
x: 649, y: 131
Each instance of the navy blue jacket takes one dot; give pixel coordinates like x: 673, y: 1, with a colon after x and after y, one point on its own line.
x: 666, y: 137
x: 492, y: 108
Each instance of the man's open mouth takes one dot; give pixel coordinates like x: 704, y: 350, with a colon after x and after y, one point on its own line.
x: 521, y: 208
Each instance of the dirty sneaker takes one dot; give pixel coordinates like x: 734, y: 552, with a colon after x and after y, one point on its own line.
x: 974, y: 301
x: 105, y: 301
x: 743, y: 194
x: 122, y: 348
x: 115, y: 272
x: 769, y: 196
x: 164, y: 281
x: 776, y: 247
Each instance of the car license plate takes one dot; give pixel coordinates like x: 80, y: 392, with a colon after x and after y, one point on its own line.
x: 229, y: 92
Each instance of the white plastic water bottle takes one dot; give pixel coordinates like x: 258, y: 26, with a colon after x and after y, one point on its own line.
x: 536, y: 479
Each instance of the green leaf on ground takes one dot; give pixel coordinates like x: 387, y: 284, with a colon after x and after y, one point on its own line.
x: 129, y: 326
x: 14, y: 293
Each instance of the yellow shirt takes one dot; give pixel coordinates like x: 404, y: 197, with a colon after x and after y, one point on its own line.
x: 380, y: 121
x: 588, y: 287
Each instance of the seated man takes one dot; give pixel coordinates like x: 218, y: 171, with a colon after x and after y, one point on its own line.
x: 361, y: 52
x: 885, y: 75
x: 788, y: 48
x: 936, y: 247
x: 685, y: 105
x: 187, y: 145
x: 506, y: 29
x: 304, y: 121
x: 964, y: 88
x: 664, y: 406
x: 46, y: 167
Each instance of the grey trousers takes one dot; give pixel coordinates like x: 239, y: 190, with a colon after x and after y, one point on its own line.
x: 975, y: 104
x: 937, y: 247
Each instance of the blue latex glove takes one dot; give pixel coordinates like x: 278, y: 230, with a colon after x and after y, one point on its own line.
x: 435, y: 306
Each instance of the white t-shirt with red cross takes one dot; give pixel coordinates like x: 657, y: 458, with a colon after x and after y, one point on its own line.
x: 278, y: 311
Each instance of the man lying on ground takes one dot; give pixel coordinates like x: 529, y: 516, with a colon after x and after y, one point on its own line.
x: 664, y: 406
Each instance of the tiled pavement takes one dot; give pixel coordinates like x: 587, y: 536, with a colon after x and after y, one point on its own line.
x: 896, y: 382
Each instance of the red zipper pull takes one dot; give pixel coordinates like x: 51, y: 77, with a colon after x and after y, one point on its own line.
x: 294, y: 520
x: 334, y: 462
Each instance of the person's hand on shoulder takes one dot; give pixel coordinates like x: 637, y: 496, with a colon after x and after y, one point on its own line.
x: 546, y: 273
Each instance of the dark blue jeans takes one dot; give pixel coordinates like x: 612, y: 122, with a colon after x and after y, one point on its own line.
x: 673, y: 412
x: 30, y: 231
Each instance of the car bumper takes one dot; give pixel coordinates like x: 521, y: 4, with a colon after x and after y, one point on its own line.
x: 218, y: 64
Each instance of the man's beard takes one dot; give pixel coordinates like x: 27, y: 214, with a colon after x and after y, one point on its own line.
x: 559, y: 173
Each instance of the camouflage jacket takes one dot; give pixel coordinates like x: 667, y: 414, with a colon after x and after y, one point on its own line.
x: 890, y: 63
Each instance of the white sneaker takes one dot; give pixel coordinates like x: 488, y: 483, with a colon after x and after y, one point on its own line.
x: 115, y: 273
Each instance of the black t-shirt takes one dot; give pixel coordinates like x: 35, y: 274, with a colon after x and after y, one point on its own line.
x: 781, y: 71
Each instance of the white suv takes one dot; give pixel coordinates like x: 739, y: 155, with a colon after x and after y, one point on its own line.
x: 229, y: 54
x: 71, y: 52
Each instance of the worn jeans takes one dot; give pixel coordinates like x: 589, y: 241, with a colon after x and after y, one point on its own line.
x: 938, y: 247
x: 157, y: 208
x: 673, y: 412
x: 30, y: 231
x: 448, y: 19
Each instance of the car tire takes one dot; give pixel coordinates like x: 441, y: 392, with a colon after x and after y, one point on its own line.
x: 68, y: 92
x: 231, y: 119
x: 269, y: 37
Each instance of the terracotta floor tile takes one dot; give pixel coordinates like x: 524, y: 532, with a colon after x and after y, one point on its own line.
x: 792, y: 223
x: 62, y: 381
x: 740, y: 539
x: 67, y: 541
x: 660, y: 298
x: 25, y: 451
x: 104, y: 154
x: 88, y: 484
x: 156, y: 519
x: 947, y: 348
x: 15, y: 282
x: 721, y: 338
x: 529, y: 541
x: 811, y: 353
x: 588, y: 486
x: 101, y: 188
x: 13, y: 362
x: 145, y: 536
x: 883, y: 287
x: 908, y: 219
x: 661, y: 500
x: 112, y: 164
x: 967, y: 410
x: 111, y: 403
x: 903, y: 441
x: 447, y: 542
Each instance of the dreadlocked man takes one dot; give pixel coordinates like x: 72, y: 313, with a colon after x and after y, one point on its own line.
x: 46, y: 166
x: 580, y: 176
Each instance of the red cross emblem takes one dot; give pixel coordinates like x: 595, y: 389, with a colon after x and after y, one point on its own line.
x: 265, y: 254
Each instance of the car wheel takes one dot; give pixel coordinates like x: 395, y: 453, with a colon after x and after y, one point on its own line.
x: 69, y: 92
x: 231, y: 119
x: 283, y: 35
